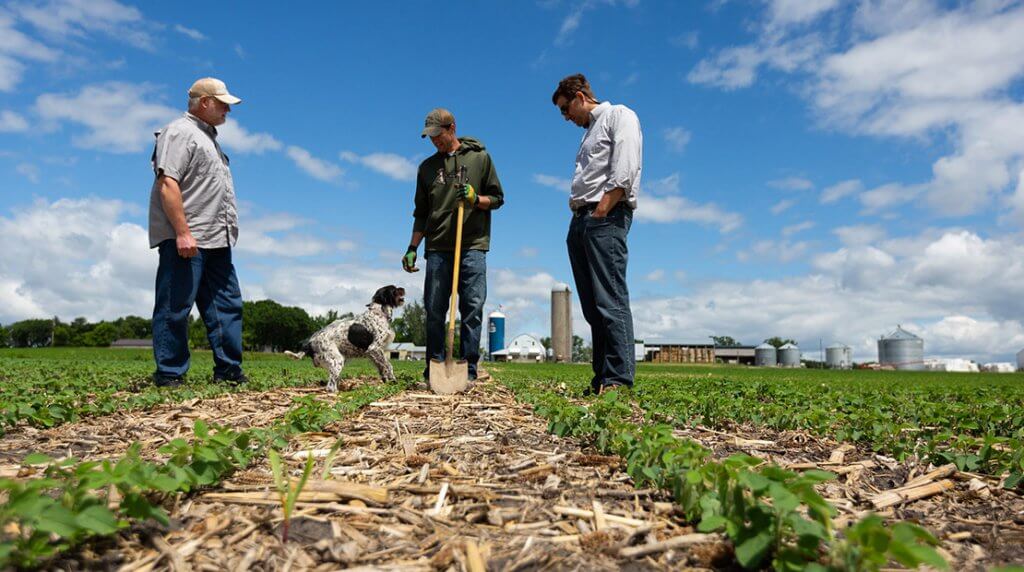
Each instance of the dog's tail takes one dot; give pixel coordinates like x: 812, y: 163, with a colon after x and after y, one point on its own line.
x: 305, y: 350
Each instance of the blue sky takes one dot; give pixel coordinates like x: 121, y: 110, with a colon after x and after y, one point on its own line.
x: 816, y: 169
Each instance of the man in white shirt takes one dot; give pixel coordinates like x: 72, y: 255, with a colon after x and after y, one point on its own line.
x: 605, y: 185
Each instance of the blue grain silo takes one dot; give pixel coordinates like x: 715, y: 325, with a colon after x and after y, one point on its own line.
x: 495, y: 332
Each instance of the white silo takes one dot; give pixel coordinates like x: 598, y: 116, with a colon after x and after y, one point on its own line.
x: 839, y: 356
x: 765, y: 355
x: 561, y: 322
x: 789, y: 356
x: 901, y: 350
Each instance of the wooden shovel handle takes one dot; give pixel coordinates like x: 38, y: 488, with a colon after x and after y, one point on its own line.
x: 455, y: 285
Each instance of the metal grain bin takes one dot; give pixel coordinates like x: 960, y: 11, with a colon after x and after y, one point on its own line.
x: 838, y: 356
x: 789, y: 356
x: 901, y: 350
x: 764, y: 355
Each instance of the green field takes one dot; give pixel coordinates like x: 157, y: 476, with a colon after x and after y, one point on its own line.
x: 772, y: 516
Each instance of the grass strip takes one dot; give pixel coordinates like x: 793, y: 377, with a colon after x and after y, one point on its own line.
x: 774, y: 517
x: 77, y: 500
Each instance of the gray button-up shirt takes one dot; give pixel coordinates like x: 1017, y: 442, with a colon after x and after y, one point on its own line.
x: 610, y: 156
x: 187, y: 151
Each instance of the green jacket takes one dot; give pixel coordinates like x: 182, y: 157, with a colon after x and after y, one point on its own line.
x: 437, y: 203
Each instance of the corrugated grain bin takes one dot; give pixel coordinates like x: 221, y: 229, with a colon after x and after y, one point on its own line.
x: 765, y: 355
x: 789, y: 356
x: 839, y: 356
x: 901, y: 350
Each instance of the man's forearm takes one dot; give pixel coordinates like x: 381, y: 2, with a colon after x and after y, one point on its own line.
x: 417, y: 237
x: 484, y: 203
x: 170, y: 200
x: 609, y: 200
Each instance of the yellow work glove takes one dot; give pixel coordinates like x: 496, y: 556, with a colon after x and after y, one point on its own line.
x: 468, y: 194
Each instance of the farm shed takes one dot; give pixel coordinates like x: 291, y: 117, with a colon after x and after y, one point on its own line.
x: 406, y: 351
x: 523, y: 348
x: 680, y: 352
x: 743, y: 355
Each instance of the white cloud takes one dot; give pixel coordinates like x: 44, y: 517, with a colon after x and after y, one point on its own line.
x: 782, y: 206
x: 269, y: 236
x: 240, y: 51
x: 91, y: 264
x: 510, y: 284
x: 656, y: 275
x: 772, y: 250
x: 790, y: 12
x: 558, y: 183
x: 840, y: 190
x: 15, y: 46
x: 859, y: 235
x: 799, y: 227
x: 190, y: 32
x: 792, y: 184
x: 881, y: 199
x: 29, y: 171
x: 686, y: 40
x: 316, y: 168
x: 388, y: 164
x: 237, y: 138
x: 118, y: 117
x: 11, y: 122
x: 662, y: 204
x: 75, y: 19
x: 736, y: 67
x: 528, y: 252
x: 677, y: 138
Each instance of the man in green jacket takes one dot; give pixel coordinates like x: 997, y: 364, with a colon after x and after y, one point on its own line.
x: 461, y: 170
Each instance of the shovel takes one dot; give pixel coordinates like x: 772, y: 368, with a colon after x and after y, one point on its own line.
x: 451, y: 376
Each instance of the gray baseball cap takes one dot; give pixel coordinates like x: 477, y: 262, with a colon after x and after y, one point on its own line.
x: 437, y: 121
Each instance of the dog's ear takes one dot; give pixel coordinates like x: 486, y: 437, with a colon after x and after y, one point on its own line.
x: 386, y: 296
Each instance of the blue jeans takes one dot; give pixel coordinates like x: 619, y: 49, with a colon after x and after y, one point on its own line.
x: 209, y: 281
x: 598, y: 255
x: 437, y: 290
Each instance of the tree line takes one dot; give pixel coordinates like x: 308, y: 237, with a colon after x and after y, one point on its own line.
x: 266, y: 325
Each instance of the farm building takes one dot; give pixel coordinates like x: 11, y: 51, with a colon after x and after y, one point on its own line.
x: 680, y: 352
x: 742, y: 355
x: 901, y: 350
x: 406, y: 351
x: 130, y: 343
x: 522, y: 348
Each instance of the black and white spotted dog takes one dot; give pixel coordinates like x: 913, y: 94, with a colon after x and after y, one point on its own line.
x: 369, y: 334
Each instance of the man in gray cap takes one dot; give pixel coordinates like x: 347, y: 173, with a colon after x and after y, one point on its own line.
x: 193, y: 221
x: 461, y: 170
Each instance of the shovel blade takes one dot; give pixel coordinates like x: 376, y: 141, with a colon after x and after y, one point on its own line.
x: 447, y: 377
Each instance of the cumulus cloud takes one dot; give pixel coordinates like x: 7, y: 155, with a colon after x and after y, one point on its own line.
x: 839, y: 190
x: 662, y: 203
x: 557, y: 183
x: 189, y: 32
x: 782, y: 206
x: 792, y: 184
x: 314, y: 167
x: 117, y: 117
x: 677, y: 138
x: 271, y: 235
x: 390, y: 165
x: 75, y: 19
x: 29, y: 171
x: 11, y: 122
x: 237, y: 138
x: 799, y: 227
x: 91, y: 264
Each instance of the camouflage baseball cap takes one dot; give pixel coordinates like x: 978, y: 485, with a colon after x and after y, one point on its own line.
x: 437, y: 121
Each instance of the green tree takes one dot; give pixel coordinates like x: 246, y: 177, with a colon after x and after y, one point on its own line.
x: 101, y: 336
x: 411, y: 326
x: 5, y: 339
x: 31, y: 333
x: 197, y: 334
x: 268, y: 324
x: 725, y: 341
x: 778, y: 342
x: 134, y: 327
x: 546, y: 342
x: 580, y: 351
x: 321, y: 321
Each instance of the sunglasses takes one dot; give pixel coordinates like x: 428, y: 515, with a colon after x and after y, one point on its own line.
x: 564, y: 108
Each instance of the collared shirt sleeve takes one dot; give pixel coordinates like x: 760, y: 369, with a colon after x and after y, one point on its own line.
x: 421, y: 212
x: 172, y: 154
x: 492, y: 186
x: 627, y: 150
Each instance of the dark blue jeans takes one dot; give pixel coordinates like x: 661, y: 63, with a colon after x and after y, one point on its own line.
x: 207, y: 280
x: 598, y: 255
x: 437, y: 291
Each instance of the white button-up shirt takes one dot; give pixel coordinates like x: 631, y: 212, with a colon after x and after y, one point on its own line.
x: 610, y: 156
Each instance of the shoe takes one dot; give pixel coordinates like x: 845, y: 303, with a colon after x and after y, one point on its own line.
x: 610, y: 387
x: 235, y: 380
x: 166, y: 381
x: 591, y: 392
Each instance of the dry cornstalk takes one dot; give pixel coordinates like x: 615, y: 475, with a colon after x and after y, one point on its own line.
x: 904, y: 495
x: 671, y: 543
